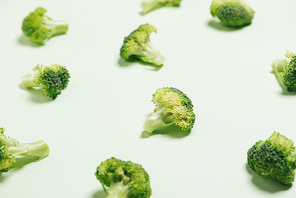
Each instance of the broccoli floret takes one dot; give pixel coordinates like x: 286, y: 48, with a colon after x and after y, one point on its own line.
x: 39, y: 27
x: 274, y: 158
x: 123, y: 179
x: 149, y: 5
x: 10, y: 149
x: 137, y: 46
x: 285, y: 71
x: 51, y: 79
x: 233, y: 13
x: 172, y: 107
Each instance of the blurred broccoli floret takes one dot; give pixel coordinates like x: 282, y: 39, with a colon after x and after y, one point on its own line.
x: 123, y: 179
x: 285, y: 71
x: 149, y: 5
x: 51, y: 79
x: 274, y: 158
x: 39, y: 27
x: 137, y: 46
x: 172, y: 107
x: 233, y: 13
x: 10, y: 149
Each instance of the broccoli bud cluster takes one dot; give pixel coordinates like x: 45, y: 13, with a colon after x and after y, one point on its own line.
x: 274, y: 158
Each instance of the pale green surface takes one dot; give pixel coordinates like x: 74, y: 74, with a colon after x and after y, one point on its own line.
x: 225, y: 72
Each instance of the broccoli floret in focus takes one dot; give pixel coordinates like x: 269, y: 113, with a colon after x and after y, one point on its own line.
x: 149, y: 5
x: 10, y: 149
x: 123, y: 179
x: 285, y: 71
x: 39, y: 27
x: 274, y: 158
x: 137, y: 46
x: 172, y: 107
x: 51, y: 79
x: 233, y: 13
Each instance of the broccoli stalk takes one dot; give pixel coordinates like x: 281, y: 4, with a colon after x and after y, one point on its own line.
x: 172, y: 107
x: 56, y: 27
x: 10, y: 149
x: 40, y: 28
x: 137, y: 46
x: 160, y: 118
x: 123, y: 179
x: 37, y: 149
x: 117, y: 190
x: 28, y: 80
x: 285, y: 71
x: 149, y: 5
x: 51, y: 79
x: 148, y: 53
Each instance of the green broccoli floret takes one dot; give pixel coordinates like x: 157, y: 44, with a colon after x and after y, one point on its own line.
x: 10, y: 149
x: 285, y: 71
x: 149, y: 5
x: 51, y: 79
x: 137, y: 46
x: 172, y: 107
x: 233, y: 13
x: 39, y: 27
x: 274, y: 158
x: 123, y: 179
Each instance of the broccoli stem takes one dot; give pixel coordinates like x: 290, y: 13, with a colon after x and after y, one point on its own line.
x: 37, y: 149
x: 58, y: 27
x: 149, y: 5
x: 118, y: 190
x: 149, y: 54
x: 28, y: 80
x: 8, y: 141
x: 158, y: 119
x: 279, y: 64
x: 278, y: 67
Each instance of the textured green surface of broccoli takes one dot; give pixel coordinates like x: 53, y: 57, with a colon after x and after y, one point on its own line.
x: 274, y: 158
x: 39, y: 27
x: 137, y: 46
x: 51, y: 79
x: 10, y: 149
x: 123, y: 179
x: 172, y: 107
x: 233, y: 13
x: 149, y: 5
x: 285, y: 71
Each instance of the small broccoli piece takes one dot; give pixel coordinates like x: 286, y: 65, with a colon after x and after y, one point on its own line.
x: 137, y: 46
x: 172, y: 107
x: 274, y: 158
x: 149, y: 5
x: 123, y: 179
x: 233, y: 13
x: 10, y: 149
x: 51, y: 79
x: 285, y: 71
x: 39, y: 27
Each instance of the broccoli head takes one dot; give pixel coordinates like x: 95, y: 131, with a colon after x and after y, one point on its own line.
x: 137, y: 46
x: 274, y: 158
x: 172, y: 107
x: 149, y: 5
x: 39, y: 27
x: 123, y: 179
x: 285, y: 71
x: 51, y: 79
x: 10, y: 149
x: 233, y: 13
